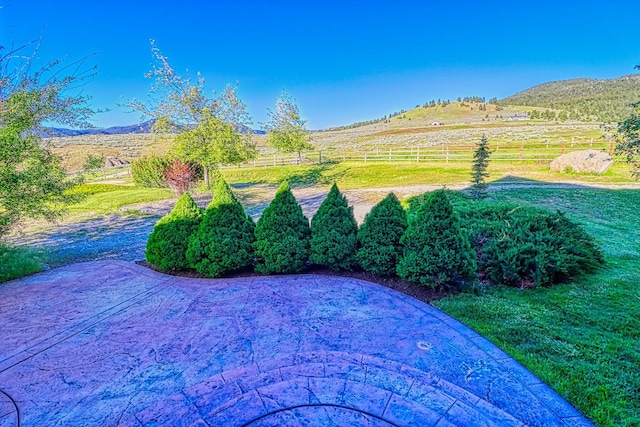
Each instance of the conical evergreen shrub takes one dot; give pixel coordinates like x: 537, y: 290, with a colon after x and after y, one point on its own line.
x: 282, y: 235
x: 436, y: 250
x: 334, y: 233
x: 379, y: 237
x: 223, y: 241
x: 167, y: 244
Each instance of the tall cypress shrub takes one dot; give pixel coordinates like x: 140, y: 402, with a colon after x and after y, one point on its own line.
x: 436, y: 250
x: 334, y: 233
x: 282, y: 235
x: 167, y: 244
x: 379, y: 237
x: 223, y: 241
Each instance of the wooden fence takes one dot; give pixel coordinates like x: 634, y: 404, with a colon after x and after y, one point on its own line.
x: 523, y: 150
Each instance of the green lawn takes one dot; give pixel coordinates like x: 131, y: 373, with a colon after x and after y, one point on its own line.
x: 108, y: 198
x: 582, y: 338
x: 353, y: 175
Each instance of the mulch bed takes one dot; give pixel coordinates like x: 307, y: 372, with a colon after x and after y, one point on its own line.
x: 422, y: 293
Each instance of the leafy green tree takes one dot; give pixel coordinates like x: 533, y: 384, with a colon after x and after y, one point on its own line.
x: 334, y: 233
x: 209, y: 131
x: 286, y: 130
x: 436, y: 250
x: 223, y: 242
x: 213, y: 142
x: 628, y: 138
x: 32, y: 181
x: 379, y: 237
x: 282, y: 235
x: 167, y: 244
x: 479, y: 168
x: 93, y: 163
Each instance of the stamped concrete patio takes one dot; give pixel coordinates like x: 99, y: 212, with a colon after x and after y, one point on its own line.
x: 112, y: 343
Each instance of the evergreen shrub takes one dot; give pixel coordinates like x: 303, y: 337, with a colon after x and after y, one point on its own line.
x: 436, y: 250
x: 379, y: 237
x: 282, y: 235
x: 528, y: 247
x: 334, y: 233
x: 223, y: 242
x: 149, y: 171
x: 167, y: 244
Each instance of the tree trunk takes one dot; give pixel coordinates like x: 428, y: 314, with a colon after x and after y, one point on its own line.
x: 206, y: 177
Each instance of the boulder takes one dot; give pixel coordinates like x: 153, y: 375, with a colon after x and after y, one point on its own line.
x: 590, y: 161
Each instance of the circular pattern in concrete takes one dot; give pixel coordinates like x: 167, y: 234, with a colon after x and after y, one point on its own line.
x: 112, y: 343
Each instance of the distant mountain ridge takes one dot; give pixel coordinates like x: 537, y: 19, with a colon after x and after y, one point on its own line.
x: 144, y: 127
x: 606, y: 100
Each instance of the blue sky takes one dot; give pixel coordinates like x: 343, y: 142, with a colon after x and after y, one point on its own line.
x: 343, y: 61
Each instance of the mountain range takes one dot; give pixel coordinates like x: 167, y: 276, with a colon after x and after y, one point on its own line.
x: 144, y: 127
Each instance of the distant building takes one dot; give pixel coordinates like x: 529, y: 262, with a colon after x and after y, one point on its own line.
x: 437, y: 124
x: 519, y: 117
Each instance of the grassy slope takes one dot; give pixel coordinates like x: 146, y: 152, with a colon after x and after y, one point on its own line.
x: 583, y: 338
x: 463, y: 124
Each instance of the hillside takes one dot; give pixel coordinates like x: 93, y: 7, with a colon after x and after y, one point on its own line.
x: 605, y: 100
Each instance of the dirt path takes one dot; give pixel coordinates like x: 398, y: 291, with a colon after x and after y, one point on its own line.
x: 124, y: 237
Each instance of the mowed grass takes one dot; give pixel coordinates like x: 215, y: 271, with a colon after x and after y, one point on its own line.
x: 108, y: 198
x: 354, y: 175
x: 582, y: 338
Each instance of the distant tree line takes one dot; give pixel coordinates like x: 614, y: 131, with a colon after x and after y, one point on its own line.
x: 584, y: 99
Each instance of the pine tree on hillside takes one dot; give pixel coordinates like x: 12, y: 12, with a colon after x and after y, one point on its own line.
x: 167, y: 244
x: 223, y: 241
x: 436, y: 250
x: 479, y: 168
x: 282, y: 235
x: 334, y: 233
x: 379, y: 236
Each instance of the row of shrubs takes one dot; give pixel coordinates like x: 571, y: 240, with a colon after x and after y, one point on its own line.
x: 432, y: 243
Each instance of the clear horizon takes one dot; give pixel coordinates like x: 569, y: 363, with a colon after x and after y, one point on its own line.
x: 343, y: 63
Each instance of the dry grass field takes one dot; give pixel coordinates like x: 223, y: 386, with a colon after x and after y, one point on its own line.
x: 463, y: 124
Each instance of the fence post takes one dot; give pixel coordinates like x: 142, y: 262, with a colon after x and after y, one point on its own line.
x: 365, y: 156
x: 610, y: 147
x: 418, y: 155
x: 522, y: 149
x: 563, y: 146
x: 274, y: 160
x: 389, y: 154
x: 591, y: 145
x: 572, y: 140
x: 447, y: 159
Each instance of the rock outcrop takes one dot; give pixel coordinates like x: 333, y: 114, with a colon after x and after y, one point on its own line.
x: 589, y: 161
